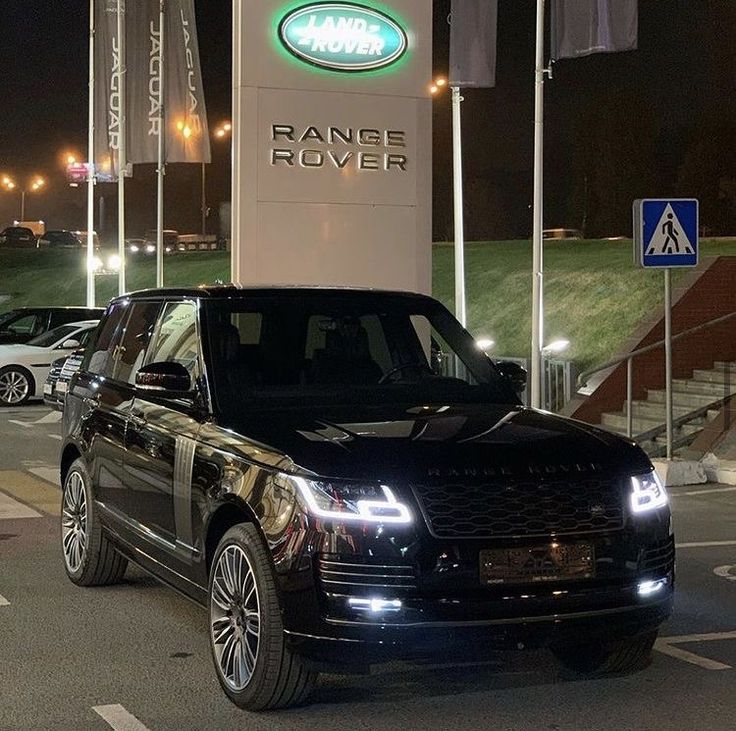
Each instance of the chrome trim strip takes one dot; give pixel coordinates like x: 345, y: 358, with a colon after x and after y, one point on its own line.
x: 357, y: 584
x: 366, y: 576
x: 183, y: 467
x: 367, y: 565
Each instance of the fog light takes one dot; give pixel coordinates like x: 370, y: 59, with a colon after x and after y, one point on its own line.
x: 647, y: 588
x: 375, y: 605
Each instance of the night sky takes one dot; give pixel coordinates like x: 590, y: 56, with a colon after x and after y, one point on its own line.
x: 607, y: 114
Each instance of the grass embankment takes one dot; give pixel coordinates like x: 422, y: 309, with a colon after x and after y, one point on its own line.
x: 595, y: 296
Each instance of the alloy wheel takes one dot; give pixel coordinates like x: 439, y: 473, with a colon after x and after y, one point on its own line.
x: 74, y: 522
x: 14, y: 387
x: 235, y: 619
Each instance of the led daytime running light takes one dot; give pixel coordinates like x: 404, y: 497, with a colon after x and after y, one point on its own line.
x: 647, y: 493
x: 371, y: 511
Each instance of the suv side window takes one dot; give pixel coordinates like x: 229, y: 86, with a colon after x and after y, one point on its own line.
x: 135, y: 338
x: 31, y: 324
x: 177, y: 338
x: 99, y: 358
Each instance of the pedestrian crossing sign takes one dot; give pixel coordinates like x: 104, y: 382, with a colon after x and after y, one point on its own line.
x: 666, y: 232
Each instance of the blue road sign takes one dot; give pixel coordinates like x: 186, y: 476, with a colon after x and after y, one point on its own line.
x: 666, y: 232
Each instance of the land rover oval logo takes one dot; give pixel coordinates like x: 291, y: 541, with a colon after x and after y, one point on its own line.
x: 343, y: 36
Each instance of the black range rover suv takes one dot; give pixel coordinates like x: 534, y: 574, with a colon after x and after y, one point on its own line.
x: 343, y: 477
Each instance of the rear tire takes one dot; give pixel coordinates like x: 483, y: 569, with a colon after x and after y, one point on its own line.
x: 627, y: 655
x: 90, y: 559
x: 255, y: 668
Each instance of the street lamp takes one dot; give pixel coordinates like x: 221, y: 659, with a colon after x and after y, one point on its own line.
x: 438, y: 85
x: 36, y: 184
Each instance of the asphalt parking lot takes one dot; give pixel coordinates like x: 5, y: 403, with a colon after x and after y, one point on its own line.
x: 136, y: 656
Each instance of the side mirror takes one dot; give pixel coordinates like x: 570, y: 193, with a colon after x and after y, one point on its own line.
x: 171, y: 380
x: 71, y: 344
x: 514, y: 373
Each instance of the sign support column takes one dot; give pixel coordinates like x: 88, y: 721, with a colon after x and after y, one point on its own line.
x: 90, y: 163
x: 668, y: 355
x: 457, y: 172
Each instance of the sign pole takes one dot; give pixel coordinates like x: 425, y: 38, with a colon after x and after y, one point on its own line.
x: 122, y: 155
x: 90, y: 163
x: 668, y: 355
x: 537, y: 254
x: 457, y: 168
x: 161, y: 171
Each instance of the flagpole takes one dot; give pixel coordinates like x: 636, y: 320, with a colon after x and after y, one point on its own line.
x: 90, y: 163
x: 537, y: 254
x: 122, y: 154
x: 161, y: 171
x: 457, y: 167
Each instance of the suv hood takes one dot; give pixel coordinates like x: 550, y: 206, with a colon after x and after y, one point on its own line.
x: 417, y: 443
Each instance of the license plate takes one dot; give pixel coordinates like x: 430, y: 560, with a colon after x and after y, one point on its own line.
x: 47, y: 389
x: 533, y: 564
x: 62, y: 387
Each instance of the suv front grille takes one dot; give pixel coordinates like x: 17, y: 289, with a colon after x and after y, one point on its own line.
x: 345, y: 574
x: 522, y: 508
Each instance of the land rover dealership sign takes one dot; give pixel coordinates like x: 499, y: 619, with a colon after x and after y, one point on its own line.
x: 343, y: 36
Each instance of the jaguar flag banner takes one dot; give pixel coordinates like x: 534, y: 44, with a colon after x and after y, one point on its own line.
x: 583, y: 27
x: 473, y: 26
x: 143, y: 52
x: 107, y: 84
x: 188, y: 138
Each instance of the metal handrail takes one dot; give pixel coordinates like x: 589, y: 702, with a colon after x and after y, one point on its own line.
x: 629, y: 358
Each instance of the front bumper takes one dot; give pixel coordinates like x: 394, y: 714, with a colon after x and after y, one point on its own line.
x: 441, y: 603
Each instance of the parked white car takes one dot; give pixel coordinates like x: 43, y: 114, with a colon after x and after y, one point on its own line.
x: 24, y: 368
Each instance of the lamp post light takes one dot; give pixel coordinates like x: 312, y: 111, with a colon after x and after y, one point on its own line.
x: 36, y: 184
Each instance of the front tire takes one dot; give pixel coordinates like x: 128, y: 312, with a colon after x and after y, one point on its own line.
x: 255, y: 668
x: 16, y: 386
x: 627, y: 655
x: 89, y: 557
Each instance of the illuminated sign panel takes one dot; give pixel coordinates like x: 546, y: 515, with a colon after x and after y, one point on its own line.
x: 343, y: 36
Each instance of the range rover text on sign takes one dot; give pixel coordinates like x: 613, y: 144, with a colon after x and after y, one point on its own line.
x: 343, y: 36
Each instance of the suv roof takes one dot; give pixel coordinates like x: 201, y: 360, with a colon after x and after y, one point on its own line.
x: 230, y: 291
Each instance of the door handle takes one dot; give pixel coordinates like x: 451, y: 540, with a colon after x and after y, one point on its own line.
x: 91, y: 401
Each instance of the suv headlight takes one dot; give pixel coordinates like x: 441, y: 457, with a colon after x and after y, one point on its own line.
x: 356, y: 502
x: 647, y: 493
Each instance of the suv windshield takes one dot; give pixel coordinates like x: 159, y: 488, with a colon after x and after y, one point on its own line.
x: 53, y: 336
x: 346, y: 348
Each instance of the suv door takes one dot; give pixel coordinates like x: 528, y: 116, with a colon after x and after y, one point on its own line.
x: 161, y: 437
x: 97, y: 406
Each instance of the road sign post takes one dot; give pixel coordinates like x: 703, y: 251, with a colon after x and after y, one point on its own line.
x: 666, y: 237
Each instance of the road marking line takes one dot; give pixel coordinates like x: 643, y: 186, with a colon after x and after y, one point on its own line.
x: 49, y: 474
x: 117, y: 717
x: 54, y: 436
x: 31, y: 491
x: 725, y: 572
x: 703, y: 492
x: 705, y: 544
x: 706, y: 637
x: 689, y: 657
x: 12, y: 509
x: 53, y: 417
x: 3, y: 601
x: 24, y: 424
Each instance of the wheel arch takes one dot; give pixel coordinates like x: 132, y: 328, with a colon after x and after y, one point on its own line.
x: 69, y: 454
x: 227, y: 515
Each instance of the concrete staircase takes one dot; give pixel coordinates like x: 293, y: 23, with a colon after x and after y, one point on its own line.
x: 706, y: 388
